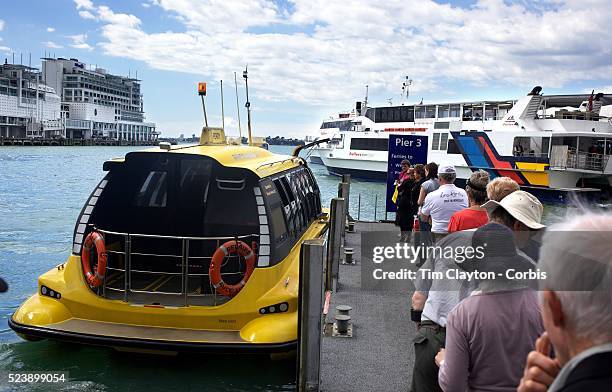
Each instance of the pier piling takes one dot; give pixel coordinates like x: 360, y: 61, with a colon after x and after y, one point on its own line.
x: 310, y: 313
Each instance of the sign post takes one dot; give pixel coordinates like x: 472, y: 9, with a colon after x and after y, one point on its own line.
x: 410, y: 147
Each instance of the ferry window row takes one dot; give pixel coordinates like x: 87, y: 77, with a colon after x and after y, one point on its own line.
x: 370, y: 144
x: 391, y: 114
x: 294, y: 202
x: 341, y: 125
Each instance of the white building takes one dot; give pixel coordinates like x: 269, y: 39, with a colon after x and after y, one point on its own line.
x: 28, y: 108
x: 96, y: 104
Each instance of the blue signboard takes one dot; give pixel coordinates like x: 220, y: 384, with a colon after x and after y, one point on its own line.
x: 411, y: 147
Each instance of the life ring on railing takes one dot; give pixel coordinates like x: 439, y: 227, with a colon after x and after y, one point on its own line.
x: 230, y: 247
x: 96, y: 240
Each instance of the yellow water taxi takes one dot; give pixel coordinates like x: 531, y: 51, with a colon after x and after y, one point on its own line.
x: 182, y: 249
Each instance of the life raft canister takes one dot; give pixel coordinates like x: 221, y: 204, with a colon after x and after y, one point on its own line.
x: 230, y: 247
x: 96, y: 240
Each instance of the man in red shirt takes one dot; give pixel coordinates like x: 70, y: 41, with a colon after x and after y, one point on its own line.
x: 474, y: 216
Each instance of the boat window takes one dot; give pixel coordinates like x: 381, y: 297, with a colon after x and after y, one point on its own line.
x: 281, y: 192
x: 435, y: 141
x: 369, y: 144
x: 168, y: 194
x: 531, y: 146
x: 455, y: 110
x: 443, y: 141
x: 153, y: 191
x: 441, y: 125
x: 430, y: 112
x: 443, y: 111
x: 452, y: 147
x: 195, y: 178
x: 290, y: 194
x: 419, y: 112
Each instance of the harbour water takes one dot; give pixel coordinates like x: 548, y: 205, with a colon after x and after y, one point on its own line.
x: 42, y: 190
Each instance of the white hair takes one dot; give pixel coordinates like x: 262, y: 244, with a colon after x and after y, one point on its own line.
x: 577, y: 258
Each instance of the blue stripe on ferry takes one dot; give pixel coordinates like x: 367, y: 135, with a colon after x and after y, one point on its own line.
x: 475, y: 154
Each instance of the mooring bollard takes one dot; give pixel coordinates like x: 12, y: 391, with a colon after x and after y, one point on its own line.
x: 343, y: 309
x: 348, y: 255
x: 342, y: 323
x: 351, y: 227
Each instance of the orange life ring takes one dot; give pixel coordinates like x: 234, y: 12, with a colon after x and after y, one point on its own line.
x: 233, y: 246
x: 96, y: 240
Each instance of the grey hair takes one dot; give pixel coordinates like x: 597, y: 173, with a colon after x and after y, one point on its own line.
x: 576, y: 255
x: 448, y: 177
x: 480, y: 179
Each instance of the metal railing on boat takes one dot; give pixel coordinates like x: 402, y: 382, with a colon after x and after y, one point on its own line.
x: 121, y: 265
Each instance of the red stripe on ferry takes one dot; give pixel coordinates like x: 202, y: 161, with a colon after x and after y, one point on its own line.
x: 500, y: 165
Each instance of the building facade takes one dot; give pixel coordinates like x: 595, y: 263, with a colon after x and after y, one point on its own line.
x: 96, y: 104
x: 28, y: 108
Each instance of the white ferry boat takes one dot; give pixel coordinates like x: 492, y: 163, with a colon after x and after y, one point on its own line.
x: 556, y: 142
x: 330, y: 128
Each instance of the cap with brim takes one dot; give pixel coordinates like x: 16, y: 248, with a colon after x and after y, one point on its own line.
x: 523, y: 206
x: 446, y: 169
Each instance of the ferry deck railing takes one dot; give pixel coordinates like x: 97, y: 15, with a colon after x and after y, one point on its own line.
x: 184, y: 297
x: 586, y: 160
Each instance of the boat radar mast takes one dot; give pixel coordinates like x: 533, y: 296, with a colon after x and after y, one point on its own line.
x: 245, y: 75
x: 210, y: 135
x: 406, y: 88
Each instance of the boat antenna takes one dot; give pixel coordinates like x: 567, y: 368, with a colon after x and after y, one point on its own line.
x: 245, y: 75
x: 406, y: 87
x: 238, y: 108
x: 222, y: 111
x: 366, y: 97
x: 390, y: 100
x: 202, y: 94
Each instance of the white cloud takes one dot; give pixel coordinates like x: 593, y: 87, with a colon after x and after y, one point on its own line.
x: 52, y: 45
x: 85, y: 4
x: 1, y: 25
x: 50, y: 29
x: 323, y: 52
x: 145, y: 5
x: 79, y: 42
x: 5, y: 49
x: 107, y: 15
x: 87, y: 15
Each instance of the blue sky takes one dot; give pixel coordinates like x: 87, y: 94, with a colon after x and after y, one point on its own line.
x: 309, y: 59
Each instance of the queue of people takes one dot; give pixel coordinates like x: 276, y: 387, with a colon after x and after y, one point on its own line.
x: 499, y: 336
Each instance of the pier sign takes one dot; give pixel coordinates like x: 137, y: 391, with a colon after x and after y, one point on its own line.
x: 411, y: 147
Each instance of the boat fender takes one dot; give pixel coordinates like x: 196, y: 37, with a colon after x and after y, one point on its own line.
x: 96, y: 240
x: 230, y: 247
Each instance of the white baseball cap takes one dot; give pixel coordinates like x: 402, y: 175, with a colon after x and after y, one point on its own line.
x: 447, y: 169
x: 523, y: 206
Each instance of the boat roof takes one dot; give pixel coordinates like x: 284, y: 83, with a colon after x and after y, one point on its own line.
x: 573, y: 100
x: 256, y: 159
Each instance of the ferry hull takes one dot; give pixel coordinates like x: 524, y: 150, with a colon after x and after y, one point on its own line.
x: 76, y: 314
x: 144, y: 343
